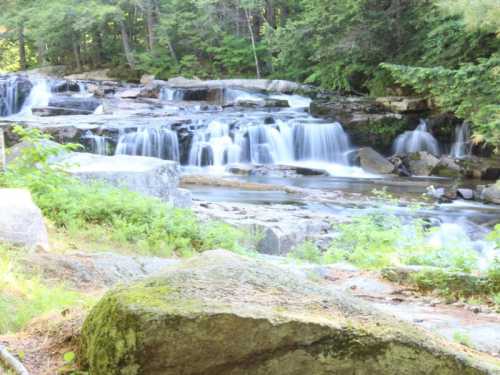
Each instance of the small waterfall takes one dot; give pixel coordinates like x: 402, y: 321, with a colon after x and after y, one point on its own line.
x: 326, y: 142
x: 217, y: 145
x: 9, y: 97
x: 169, y: 94
x: 156, y: 142
x: 417, y: 140
x: 462, y: 146
x: 39, y: 96
x: 98, y: 144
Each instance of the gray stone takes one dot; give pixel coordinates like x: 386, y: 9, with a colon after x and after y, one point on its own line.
x: 21, y: 221
x: 371, y: 161
x: 149, y: 176
x: 467, y: 194
x: 95, y: 75
x: 422, y: 163
x: 220, y: 313
x: 130, y: 93
x: 401, y: 104
x: 57, y: 111
x: 446, y: 168
x: 491, y: 194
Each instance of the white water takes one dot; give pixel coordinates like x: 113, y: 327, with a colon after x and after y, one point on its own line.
x: 98, y: 144
x: 462, y: 146
x: 155, y: 142
x: 9, y: 96
x: 39, y: 96
x: 417, y: 140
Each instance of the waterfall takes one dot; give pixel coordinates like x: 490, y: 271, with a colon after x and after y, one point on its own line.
x: 287, y: 142
x: 169, y: 94
x: 156, y: 142
x: 462, y: 146
x: 417, y: 140
x: 98, y: 143
x: 39, y: 96
x: 9, y: 97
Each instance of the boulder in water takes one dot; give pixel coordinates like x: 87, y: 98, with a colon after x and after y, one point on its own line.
x: 371, y: 161
x: 446, y: 168
x: 491, y: 194
x: 21, y: 221
x: 75, y: 103
x: 422, y: 163
x: 58, y: 111
x: 221, y: 313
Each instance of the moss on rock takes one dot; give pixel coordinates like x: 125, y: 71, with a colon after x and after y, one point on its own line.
x: 221, y: 313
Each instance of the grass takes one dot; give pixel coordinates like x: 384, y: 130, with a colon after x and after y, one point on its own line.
x: 24, y: 297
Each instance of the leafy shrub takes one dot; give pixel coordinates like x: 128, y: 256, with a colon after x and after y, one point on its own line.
x: 307, y: 251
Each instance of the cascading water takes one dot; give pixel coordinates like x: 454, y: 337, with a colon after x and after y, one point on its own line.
x: 287, y: 142
x: 156, y: 142
x: 39, y: 96
x: 169, y: 94
x: 417, y: 140
x: 9, y: 97
x: 462, y: 146
x: 98, y: 143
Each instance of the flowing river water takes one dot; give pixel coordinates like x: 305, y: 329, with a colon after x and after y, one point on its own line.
x: 253, y: 128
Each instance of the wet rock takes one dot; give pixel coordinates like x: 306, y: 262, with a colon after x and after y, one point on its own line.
x: 149, y: 176
x: 277, y: 170
x: 132, y: 93
x: 446, y: 168
x: 371, y: 161
x: 400, y: 104
x: 21, y: 221
x: 65, y: 86
x: 240, y: 169
x: 198, y: 318
x: 491, y: 194
x: 16, y: 151
x: 467, y: 194
x: 75, y: 103
x: 481, y: 168
x: 147, y: 79
x: 400, y: 167
x: 56, y: 111
x: 422, y: 163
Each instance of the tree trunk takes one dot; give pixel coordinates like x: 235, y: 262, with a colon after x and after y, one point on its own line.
x: 76, y: 53
x: 150, y: 25
x: 22, y: 49
x: 254, y: 47
x: 126, y: 45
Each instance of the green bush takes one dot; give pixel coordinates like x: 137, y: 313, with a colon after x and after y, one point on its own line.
x: 307, y: 251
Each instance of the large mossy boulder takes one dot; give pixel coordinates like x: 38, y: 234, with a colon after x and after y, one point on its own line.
x: 220, y: 313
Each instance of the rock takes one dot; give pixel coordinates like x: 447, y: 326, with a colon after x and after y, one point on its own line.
x: 491, y: 194
x: 278, y: 170
x: 21, y: 221
x: 446, y: 168
x: 371, y: 161
x: 149, y: 176
x: 93, y: 270
x: 481, y: 168
x: 95, y: 90
x: 61, y: 86
x: 56, y: 111
x: 75, y: 103
x: 422, y: 163
x: 221, y: 313
x: 438, y: 193
x: 400, y: 104
x: 130, y: 93
x: 467, y: 194
x: 147, y: 79
x: 15, y: 151
x: 95, y: 75
x: 240, y: 169
x: 267, y: 85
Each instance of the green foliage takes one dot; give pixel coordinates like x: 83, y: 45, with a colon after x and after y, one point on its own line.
x: 462, y: 338
x: 307, y: 251
x: 125, y: 216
